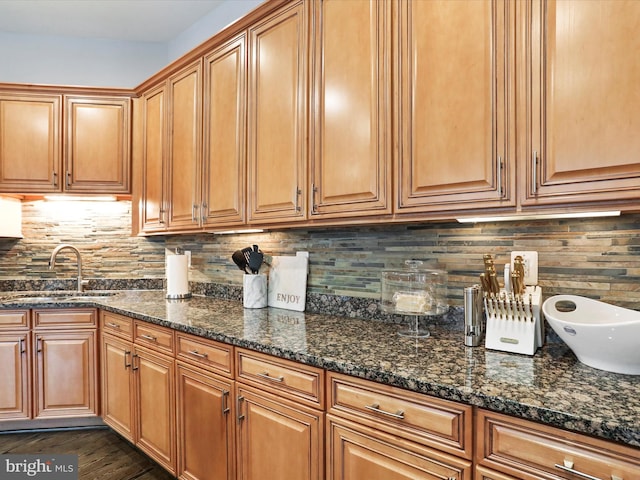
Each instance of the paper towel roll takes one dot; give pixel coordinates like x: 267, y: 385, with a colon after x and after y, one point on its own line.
x: 177, y: 276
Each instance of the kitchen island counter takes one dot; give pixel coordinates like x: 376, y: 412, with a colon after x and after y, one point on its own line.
x: 551, y: 387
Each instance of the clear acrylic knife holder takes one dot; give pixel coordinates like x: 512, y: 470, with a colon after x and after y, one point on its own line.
x: 513, y: 321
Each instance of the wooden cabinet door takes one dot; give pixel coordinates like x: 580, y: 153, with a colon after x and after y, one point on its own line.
x: 582, y: 88
x: 224, y: 161
x: 184, y: 93
x: 117, y: 386
x: 97, y: 155
x: 277, y: 115
x: 351, y: 167
x: 355, y: 452
x: 153, y: 215
x: 155, y: 402
x: 15, y: 384
x: 278, y: 440
x: 65, y: 374
x: 30, y: 148
x: 455, y: 109
x: 205, y: 425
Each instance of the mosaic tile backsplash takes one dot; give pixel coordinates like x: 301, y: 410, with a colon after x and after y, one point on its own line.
x: 597, y: 258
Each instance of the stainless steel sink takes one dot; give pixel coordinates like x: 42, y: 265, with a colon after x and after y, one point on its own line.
x: 48, y: 297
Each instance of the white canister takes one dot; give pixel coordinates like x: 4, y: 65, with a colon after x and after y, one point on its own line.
x: 254, y: 293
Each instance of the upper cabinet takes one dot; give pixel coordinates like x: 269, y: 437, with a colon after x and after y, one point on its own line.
x: 224, y: 157
x: 154, y: 139
x: 352, y: 114
x: 184, y: 142
x: 86, y: 149
x: 455, y: 105
x: 97, y: 144
x: 277, y: 146
x: 323, y: 112
x: 581, y: 94
x: 30, y: 142
x: 171, y: 152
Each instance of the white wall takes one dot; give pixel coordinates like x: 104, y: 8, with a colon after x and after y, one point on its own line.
x: 228, y: 12
x: 92, y: 62
x: 57, y: 60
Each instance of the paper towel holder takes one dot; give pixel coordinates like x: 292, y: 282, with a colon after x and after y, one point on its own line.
x: 178, y: 296
x: 183, y: 291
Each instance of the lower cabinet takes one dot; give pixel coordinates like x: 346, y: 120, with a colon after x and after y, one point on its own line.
x: 49, y: 365
x: 378, y: 431
x: 206, y: 410
x: 509, y: 447
x: 154, y: 379
x: 357, y: 452
x: 15, y: 387
x: 205, y: 425
x: 138, y: 387
x: 277, y: 439
x: 117, y: 385
x: 65, y: 374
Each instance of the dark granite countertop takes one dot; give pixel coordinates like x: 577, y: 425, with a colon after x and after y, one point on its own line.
x: 551, y: 387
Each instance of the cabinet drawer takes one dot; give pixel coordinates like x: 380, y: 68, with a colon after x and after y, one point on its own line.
x: 14, y: 319
x: 290, y: 379
x: 528, y: 450
x: 76, y: 318
x: 427, y: 420
x: 205, y: 353
x: 115, y: 324
x: 159, y: 338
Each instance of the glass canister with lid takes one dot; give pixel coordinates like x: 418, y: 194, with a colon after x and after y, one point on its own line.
x: 414, y: 290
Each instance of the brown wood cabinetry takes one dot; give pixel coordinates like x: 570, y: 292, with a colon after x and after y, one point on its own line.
x: 277, y: 146
x: 530, y: 451
x: 279, y: 436
x: 97, y: 153
x: 15, y: 359
x: 118, y: 388
x: 205, y: 409
x: 138, y: 385
x: 85, y: 151
x: 456, y: 105
x: 153, y: 172
x: 351, y: 132
x: 65, y: 374
x: 154, y: 378
x: 184, y: 144
x: 30, y: 142
x: 65, y: 366
x: 377, y: 431
x: 224, y: 159
x: 581, y: 94
x: 171, y: 152
x: 50, y: 367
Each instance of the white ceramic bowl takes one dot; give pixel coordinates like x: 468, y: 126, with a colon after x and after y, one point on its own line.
x: 601, y: 335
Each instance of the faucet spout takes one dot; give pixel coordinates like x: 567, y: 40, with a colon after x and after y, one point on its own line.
x: 58, y: 249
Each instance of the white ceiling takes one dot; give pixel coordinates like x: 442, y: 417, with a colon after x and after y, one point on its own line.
x: 127, y: 20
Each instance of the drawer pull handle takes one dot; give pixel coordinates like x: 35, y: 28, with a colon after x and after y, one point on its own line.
x: 568, y: 467
x: 376, y: 408
x: 198, y: 354
x: 151, y: 338
x: 113, y: 325
x: 269, y: 377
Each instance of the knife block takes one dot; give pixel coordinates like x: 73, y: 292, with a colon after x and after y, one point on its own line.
x: 513, y: 322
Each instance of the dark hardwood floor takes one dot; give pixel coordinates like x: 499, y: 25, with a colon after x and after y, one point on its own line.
x: 102, y: 454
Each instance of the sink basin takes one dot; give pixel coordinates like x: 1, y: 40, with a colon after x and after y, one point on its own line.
x: 47, y: 297
x: 601, y: 335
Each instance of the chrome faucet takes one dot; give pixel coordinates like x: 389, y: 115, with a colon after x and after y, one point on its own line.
x: 52, y: 262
